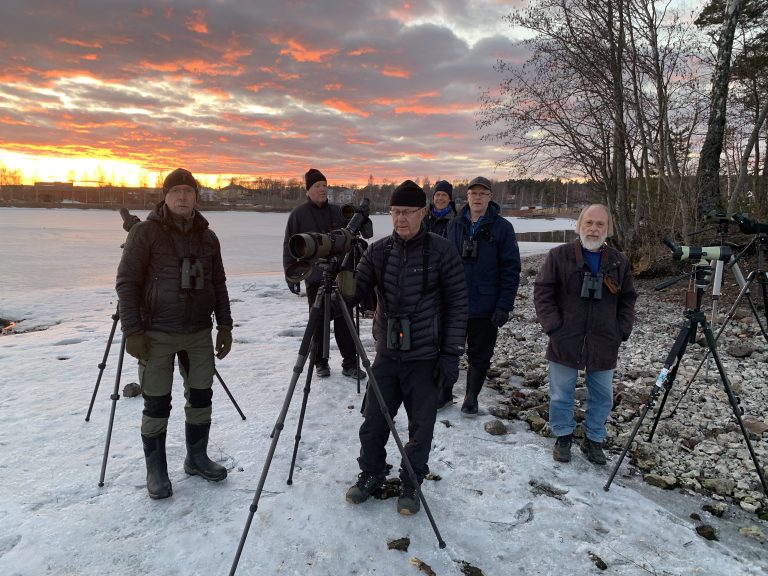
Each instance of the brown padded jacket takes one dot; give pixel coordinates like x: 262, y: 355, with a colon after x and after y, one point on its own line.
x: 584, y: 333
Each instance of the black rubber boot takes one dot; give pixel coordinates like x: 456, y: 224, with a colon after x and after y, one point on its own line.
x: 197, y: 461
x: 475, y: 379
x: 158, y: 483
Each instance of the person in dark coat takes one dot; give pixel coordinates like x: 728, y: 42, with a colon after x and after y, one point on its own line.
x: 419, y: 329
x: 318, y: 215
x: 487, y: 244
x: 585, y: 302
x: 170, y: 280
x: 442, y: 209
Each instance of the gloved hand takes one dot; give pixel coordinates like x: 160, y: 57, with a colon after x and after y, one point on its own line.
x: 294, y: 287
x: 499, y: 317
x: 137, y: 345
x: 446, y: 371
x: 223, y: 341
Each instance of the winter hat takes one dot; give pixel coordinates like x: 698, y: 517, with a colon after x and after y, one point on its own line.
x: 408, y: 194
x: 444, y: 186
x: 480, y: 181
x: 313, y: 175
x: 180, y: 176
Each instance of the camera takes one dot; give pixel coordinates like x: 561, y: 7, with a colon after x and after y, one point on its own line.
x: 192, y: 274
x: 311, y: 246
x: 709, y: 253
x: 592, y: 286
x: 398, y: 334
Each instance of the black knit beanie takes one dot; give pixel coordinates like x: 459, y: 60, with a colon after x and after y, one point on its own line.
x: 313, y: 175
x: 444, y: 186
x: 408, y: 194
x: 180, y: 176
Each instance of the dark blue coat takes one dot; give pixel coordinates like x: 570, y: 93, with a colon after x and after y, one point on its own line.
x: 493, y: 275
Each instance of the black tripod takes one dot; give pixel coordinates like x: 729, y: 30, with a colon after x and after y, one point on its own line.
x: 323, y: 303
x: 694, y: 316
x: 760, y: 244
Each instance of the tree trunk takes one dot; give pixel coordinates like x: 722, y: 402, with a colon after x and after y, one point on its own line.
x: 708, y: 173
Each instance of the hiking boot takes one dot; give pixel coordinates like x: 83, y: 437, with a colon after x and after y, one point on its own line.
x: 408, y: 502
x: 469, y: 406
x: 367, y: 483
x: 593, y: 451
x: 322, y: 369
x: 354, y: 372
x: 562, y: 451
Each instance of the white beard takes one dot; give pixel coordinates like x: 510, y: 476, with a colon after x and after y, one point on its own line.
x: 592, y: 245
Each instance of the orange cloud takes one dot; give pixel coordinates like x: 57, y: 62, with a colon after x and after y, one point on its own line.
x: 302, y: 53
x: 333, y: 87
x: 197, y: 22
x: 431, y: 110
x: 361, y: 52
x: 395, y: 72
x: 80, y: 43
x: 345, y: 107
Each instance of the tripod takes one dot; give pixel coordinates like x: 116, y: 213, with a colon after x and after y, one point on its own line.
x: 694, y: 316
x: 760, y: 244
x: 115, y: 396
x: 323, y: 303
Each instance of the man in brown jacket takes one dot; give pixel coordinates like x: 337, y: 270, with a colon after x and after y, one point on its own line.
x: 585, y: 302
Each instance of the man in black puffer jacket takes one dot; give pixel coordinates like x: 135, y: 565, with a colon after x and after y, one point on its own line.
x: 169, y: 282
x: 419, y: 329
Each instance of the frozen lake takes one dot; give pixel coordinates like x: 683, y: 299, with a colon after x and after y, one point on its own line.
x: 67, y: 248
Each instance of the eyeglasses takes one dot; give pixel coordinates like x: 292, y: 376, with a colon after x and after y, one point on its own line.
x: 397, y: 212
x: 480, y: 193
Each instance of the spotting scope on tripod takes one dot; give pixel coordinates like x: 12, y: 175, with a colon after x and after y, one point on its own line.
x: 694, y: 317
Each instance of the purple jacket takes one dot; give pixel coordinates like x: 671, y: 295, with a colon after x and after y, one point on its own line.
x: 584, y: 333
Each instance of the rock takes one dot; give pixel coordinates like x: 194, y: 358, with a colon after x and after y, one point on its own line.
x: 495, y: 428
x: 706, y: 531
x: 757, y: 427
x: 468, y: 570
x: 131, y: 390
x: 401, y: 544
x: 722, y: 486
x: 665, y: 482
x: 716, y: 509
x: 753, y: 531
x: 740, y: 349
x: 597, y: 561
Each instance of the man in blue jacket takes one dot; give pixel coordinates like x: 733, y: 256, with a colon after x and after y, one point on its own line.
x: 487, y: 244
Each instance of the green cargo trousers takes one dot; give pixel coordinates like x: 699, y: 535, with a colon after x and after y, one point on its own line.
x: 196, y: 365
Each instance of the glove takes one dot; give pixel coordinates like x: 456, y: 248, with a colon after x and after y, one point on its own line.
x: 294, y: 287
x: 223, y: 341
x: 137, y: 345
x: 446, y: 371
x: 499, y: 317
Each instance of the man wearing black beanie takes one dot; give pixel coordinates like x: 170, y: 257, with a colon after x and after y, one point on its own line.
x: 442, y: 209
x: 318, y: 215
x: 419, y: 330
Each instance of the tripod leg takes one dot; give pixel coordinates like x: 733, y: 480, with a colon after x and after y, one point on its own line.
x: 115, y: 397
x: 373, y: 385
x: 733, y: 402
x: 115, y: 318
x: 315, y: 316
x: 297, y: 437
x: 648, y: 405
x: 218, y: 376
x: 717, y: 284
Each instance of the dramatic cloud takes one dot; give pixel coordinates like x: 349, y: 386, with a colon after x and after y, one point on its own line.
x: 267, y: 88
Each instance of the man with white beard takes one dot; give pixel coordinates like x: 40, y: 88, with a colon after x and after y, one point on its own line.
x: 585, y: 303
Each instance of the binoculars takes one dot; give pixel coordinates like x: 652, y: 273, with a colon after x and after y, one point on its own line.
x: 192, y: 274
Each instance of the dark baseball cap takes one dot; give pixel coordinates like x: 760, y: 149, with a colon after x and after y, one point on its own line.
x: 480, y: 181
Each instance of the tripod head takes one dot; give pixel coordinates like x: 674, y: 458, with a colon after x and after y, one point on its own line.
x: 129, y: 220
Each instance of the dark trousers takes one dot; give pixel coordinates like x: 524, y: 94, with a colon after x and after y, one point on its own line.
x: 344, y: 338
x: 412, y: 385
x: 481, y: 340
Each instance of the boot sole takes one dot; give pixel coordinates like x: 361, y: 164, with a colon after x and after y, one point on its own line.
x: 468, y: 414
x: 161, y: 496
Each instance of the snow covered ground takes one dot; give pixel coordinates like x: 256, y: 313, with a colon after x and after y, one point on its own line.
x: 502, y: 504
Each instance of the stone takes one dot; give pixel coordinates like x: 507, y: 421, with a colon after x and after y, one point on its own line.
x: 755, y: 532
x: 495, y: 428
x: 706, y: 531
x: 131, y: 390
x: 740, y: 349
x: 665, y: 482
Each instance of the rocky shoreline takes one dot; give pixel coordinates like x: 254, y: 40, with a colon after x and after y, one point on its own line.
x: 700, y: 448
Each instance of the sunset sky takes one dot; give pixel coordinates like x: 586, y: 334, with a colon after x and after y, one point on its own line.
x: 121, y: 90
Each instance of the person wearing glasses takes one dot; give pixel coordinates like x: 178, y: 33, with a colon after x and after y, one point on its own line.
x: 487, y: 244
x: 419, y: 330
